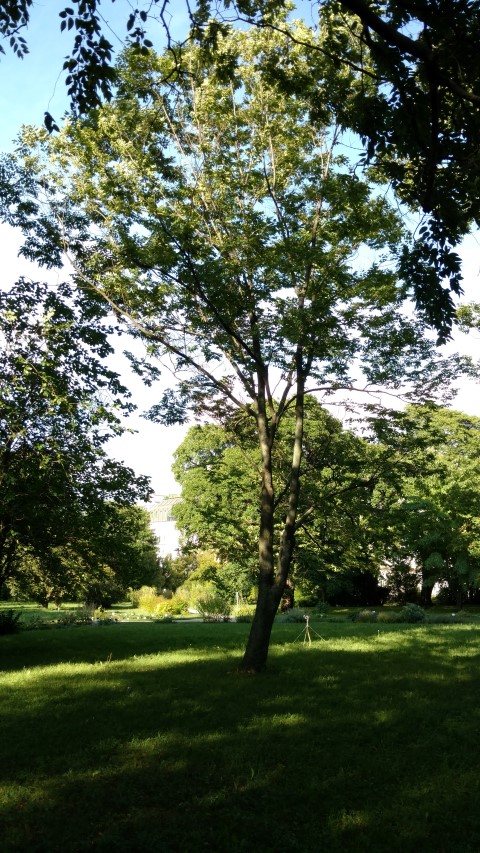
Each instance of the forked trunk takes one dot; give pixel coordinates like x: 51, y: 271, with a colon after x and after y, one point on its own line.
x: 272, y: 580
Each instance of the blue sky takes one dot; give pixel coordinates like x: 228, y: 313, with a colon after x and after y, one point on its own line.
x: 31, y: 86
x: 35, y: 84
x: 28, y: 88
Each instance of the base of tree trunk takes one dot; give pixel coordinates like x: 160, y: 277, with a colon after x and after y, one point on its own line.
x: 256, y: 652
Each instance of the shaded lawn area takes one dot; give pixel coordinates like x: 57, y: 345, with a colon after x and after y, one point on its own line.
x: 144, y: 737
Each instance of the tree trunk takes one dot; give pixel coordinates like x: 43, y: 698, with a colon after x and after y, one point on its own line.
x: 426, y: 594
x: 269, y: 593
x: 272, y: 584
x: 256, y: 652
x: 8, y: 551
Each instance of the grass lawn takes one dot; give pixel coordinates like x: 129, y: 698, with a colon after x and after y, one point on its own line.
x: 146, y: 738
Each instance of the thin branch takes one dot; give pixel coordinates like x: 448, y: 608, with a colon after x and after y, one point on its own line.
x: 412, y: 47
x: 157, y: 336
x: 311, y: 45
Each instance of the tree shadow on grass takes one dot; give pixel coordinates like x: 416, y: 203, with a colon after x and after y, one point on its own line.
x: 335, y: 748
x: 90, y: 644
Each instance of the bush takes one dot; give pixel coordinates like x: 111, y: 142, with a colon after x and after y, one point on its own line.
x: 213, y: 607
x: 133, y: 596
x: 412, y: 613
x: 9, y: 622
x: 293, y: 615
x: 243, y: 612
x: 441, y: 618
x: 192, y: 591
x: 365, y: 616
x: 166, y: 608
x: 147, y: 599
x: 37, y: 622
x: 465, y: 617
x: 82, y: 616
x: 461, y: 617
x: 389, y: 616
x: 321, y: 610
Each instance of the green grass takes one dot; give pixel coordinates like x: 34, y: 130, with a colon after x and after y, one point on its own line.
x: 145, y: 737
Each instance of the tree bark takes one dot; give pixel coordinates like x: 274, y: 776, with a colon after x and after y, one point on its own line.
x: 272, y: 584
x: 256, y: 651
x: 7, y: 553
x: 426, y: 594
x: 269, y: 595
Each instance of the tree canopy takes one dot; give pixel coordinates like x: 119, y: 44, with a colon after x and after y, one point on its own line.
x: 401, y: 507
x: 110, y: 550
x: 416, y: 105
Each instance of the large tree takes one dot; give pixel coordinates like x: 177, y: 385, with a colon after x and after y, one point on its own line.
x: 233, y: 237
x: 60, y: 403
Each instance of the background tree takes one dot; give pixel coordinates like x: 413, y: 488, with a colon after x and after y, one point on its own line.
x: 59, y: 405
x: 435, y: 521
x: 113, y: 549
x: 339, y: 542
x: 220, y: 477
x: 220, y: 223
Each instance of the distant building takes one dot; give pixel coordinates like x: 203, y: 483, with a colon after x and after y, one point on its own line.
x: 163, y: 524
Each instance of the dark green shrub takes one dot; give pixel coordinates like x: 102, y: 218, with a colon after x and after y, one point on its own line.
x: 321, y: 610
x: 81, y: 616
x: 36, y: 622
x: 464, y: 617
x: 9, y: 622
x: 412, y: 613
x: 441, y: 618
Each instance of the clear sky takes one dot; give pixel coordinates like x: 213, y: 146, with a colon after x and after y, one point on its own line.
x: 31, y: 86
x: 28, y: 88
